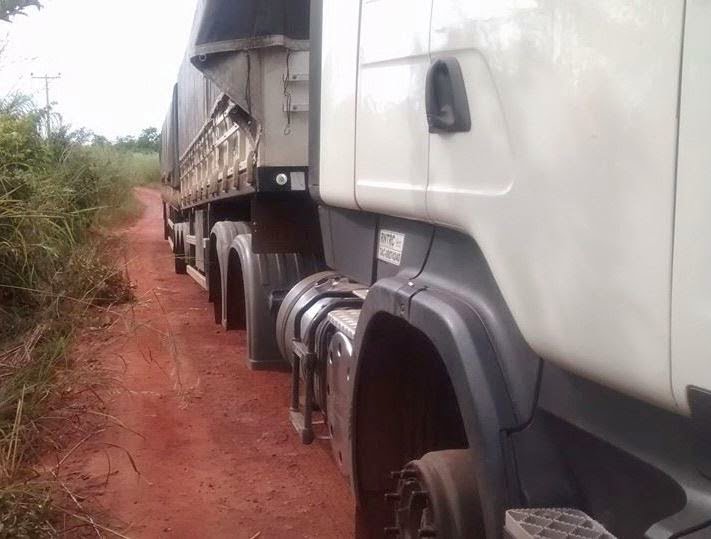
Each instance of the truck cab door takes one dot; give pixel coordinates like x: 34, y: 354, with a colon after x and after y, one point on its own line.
x: 392, y: 144
x: 566, y: 176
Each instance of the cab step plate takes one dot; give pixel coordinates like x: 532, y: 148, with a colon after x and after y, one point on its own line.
x: 558, y: 523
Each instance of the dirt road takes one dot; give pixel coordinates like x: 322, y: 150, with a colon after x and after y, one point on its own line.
x: 216, y: 454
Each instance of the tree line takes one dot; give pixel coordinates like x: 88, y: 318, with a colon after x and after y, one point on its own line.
x: 147, y: 142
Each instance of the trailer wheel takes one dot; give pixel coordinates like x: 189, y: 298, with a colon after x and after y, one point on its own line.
x: 221, y: 237
x: 181, y: 267
x: 214, y: 276
x: 166, y: 228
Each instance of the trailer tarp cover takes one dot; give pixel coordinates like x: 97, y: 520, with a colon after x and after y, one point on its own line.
x: 234, y: 25
x: 225, y: 31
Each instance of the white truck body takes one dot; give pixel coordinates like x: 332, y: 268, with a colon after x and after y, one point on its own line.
x: 567, y: 179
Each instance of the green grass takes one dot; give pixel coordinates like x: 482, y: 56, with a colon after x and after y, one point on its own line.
x: 131, y: 169
x: 57, y: 197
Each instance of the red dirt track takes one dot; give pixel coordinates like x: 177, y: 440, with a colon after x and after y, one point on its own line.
x: 211, y: 439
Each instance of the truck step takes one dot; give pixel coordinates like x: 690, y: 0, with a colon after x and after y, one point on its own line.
x: 553, y: 523
x: 345, y: 321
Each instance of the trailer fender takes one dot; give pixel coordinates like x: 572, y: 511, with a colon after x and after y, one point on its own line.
x: 221, y: 238
x: 254, y: 289
x: 462, y: 341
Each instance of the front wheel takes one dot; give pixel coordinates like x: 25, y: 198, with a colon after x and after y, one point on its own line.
x: 437, y: 496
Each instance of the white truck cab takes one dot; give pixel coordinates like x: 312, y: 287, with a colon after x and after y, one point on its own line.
x: 567, y: 178
x: 581, y: 175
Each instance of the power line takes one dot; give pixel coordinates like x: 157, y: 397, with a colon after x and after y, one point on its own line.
x: 47, y: 78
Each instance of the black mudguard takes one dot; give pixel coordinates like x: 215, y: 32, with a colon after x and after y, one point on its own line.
x: 221, y: 237
x: 266, y: 278
x: 461, y: 338
x: 453, y: 300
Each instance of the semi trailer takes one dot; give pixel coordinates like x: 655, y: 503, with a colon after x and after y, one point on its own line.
x: 474, y: 233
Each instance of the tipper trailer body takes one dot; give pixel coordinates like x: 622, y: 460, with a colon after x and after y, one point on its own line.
x: 473, y: 232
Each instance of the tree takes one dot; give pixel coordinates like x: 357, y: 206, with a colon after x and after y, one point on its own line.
x: 16, y: 104
x: 11, y: 8
x: 149, y: 140
x: 100, y: 140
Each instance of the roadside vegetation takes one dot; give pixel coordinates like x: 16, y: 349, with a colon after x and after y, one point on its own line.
x: 58, y: 271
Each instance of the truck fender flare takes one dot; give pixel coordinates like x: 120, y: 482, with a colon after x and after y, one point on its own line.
x: 222, y: 236
x: 462, y: 341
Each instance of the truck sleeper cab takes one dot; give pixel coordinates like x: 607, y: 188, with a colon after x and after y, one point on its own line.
x: 499, y: 324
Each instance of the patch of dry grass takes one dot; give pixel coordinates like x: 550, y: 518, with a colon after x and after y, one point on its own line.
x: 57, y: 271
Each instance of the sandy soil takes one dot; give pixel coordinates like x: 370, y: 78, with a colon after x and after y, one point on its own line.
x: 215, y: 453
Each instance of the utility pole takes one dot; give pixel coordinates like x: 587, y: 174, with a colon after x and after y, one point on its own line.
x: 46, y: 78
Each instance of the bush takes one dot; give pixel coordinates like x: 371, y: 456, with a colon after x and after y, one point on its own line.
x: 54, y: 196
x: 51, y: 193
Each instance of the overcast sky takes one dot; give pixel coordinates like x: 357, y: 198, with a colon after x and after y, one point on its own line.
x: 118, y: 59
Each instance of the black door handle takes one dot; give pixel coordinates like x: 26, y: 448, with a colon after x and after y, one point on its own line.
x: 446, y: 98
